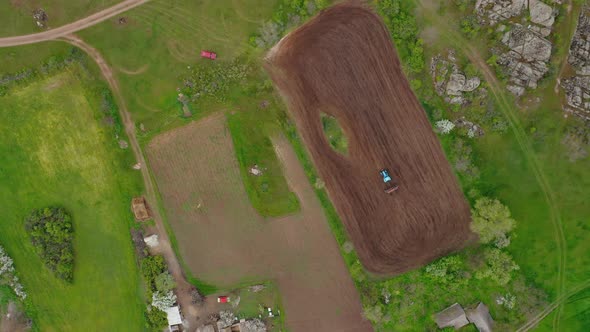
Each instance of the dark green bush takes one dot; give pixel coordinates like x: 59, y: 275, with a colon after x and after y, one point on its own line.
x: 52, y: 233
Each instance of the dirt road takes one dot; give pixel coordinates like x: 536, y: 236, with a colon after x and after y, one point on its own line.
x: 191, y: 312
x: 343, y: 63
x: 64, y: 30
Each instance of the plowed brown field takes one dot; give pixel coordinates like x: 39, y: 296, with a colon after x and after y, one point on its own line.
x: 343, y: 63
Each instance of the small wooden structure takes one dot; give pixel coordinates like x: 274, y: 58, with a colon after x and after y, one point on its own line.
x: 140, y: 209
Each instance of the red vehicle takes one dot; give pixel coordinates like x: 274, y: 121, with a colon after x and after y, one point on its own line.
x: 223, y: 299
x: 208, y: 55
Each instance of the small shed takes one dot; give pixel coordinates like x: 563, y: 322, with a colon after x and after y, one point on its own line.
x: 174, y: 318
x: 140, y: 209
x: 480, y: 316
x: 453, y: 316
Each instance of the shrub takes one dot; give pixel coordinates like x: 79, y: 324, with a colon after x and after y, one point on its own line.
x: 498, y: 266
x: 156, y: 319
x: 51, y: 232
x: 445, y: 269
x: 163, y: 300
x: 491, y: 220
x: 164, y: 282
x: 445, y: 126
x: 8, y: 276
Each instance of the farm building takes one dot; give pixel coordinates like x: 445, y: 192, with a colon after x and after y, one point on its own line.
x: 174, y: 319
x: 453, y: 316
x: 140, y: 209
x: 480, y: 316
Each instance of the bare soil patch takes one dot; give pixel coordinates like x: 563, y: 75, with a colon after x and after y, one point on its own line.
x: 343, y: 62
x: 225, y: 242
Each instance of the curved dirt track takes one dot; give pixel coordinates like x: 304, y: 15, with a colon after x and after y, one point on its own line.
x: 64, y: 30
x: 343, y: 63
x: 191, y: 312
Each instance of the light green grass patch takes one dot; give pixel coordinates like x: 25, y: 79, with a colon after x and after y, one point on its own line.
x: 56, y: 152
x: 334, y: 134
x: 268, y: 192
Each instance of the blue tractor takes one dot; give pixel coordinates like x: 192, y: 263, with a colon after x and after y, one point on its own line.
x: 390, y: 186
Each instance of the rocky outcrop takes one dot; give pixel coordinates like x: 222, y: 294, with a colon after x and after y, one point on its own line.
x: 528, y: 51
x: 541, y: 13
x: 527, y: 59
x: 577, y: 88
x: 458, y: 83
x: 493, y: 11
x: 579, y: 56
x: 449, y: 81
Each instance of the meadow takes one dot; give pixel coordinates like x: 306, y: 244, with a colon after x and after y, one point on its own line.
x: 57, y: 151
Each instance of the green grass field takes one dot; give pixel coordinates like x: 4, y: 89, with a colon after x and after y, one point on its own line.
x: 56, y: 151
x: 17, y: 18
x: 268, y: 192
x: 162, y: 39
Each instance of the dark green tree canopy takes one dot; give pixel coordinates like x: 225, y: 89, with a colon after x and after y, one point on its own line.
x: 52, y: 234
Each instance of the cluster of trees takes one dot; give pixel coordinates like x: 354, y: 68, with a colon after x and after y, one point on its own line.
x: 160, y: 286
x: 52, y: 234
x: 492, y: 222
x: 401, y: 22
x: 8, y: 275
x: 290, y: 14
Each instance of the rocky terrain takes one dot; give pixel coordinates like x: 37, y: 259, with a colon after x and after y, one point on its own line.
x: 577, y: 87
x: 449, y: 81
x: 527, y: 50
x: 527, y: 58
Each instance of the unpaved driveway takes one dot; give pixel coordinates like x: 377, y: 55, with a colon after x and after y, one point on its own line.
x: 64, y: 30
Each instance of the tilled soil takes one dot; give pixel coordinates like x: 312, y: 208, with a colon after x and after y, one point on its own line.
x: 225, y: 242
x: 343, y: 63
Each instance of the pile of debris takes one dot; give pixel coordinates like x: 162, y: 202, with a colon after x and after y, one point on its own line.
x: 526, y: 60
x: 473, y: 130
x: 226, y: 321
x: 40, y: 18
x: 449, y: 81
x: 577, y: 88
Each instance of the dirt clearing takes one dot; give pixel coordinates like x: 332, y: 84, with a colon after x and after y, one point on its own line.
x: 226, y: 243
x: 343, y: 63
